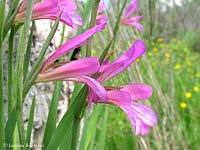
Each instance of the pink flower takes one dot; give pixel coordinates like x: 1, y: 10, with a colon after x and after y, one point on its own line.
x: 50, y: 9
x: 101, y: 18
x: 72, y: 44
x: 141, y: 117
x: 77, y: 70
x: 132, y: 21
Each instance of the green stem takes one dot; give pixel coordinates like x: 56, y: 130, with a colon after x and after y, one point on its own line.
x: 2, y: 14
x: 117, y: 24
x: 10, y: 17
x: 78, y: 115
x: 20, y: 63
x: 92, y: 23
x: 10, y: 69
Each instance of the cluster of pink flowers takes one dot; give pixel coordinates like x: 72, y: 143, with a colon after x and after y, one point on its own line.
x: 125, y: 96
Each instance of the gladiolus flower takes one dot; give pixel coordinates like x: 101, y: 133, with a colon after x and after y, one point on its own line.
x: 131, y: 21
x: 76, y: 70
x: 50, y: 9
x: 141, y: 117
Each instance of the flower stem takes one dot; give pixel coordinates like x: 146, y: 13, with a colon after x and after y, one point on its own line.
x: 10, y: 69
x: 2, y: 14
x: 20, y: 63
x: 117, y: 24
x: 78, y: 115
x: 92, y: 23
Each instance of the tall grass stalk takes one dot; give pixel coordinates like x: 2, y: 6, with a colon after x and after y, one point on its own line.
x: 2, y: 14
x: 20, y: 63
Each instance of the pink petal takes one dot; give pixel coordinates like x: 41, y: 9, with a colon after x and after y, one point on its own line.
x: 101, y: 7
x: 133, y: 22
x: 118, y: 97
x: 131, y: 9
x: 73, y: 43
x: 81, y: 67
x: 68, y: 5
x: 138, y: 91
x: 141, y: 117
x: 101, y: 19
x: 50, y: 9
x: 124, y: 61
x: 93, y: 85
x: 92, y: 98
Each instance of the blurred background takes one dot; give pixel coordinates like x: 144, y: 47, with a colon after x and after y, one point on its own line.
x: 170, y: 66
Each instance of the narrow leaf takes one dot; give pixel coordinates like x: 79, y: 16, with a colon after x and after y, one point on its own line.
x: 2, y: 14
x: 89, y: 128
x: 10, y: 127
x: 52, y: 116
x: 102, y: 138
x: 30, y: 122
x: 62, y: 129
x: 28, y: 50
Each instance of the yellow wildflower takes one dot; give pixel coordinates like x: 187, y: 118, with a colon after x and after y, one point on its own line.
x: 181, y: 55
x: 198, y: 75
x: 155, y: 49
x: 160, y: 40
x: 183, y: 105
x: 177, y: 67
x: 167, y: 55
x: 150, y: 54
x: 188, y: 62
x: 174, y: 40
x: 196, y: 89
x: 161, y: 45
x: 154, y: 64
x: 188, y: 95
x: 152, y: 43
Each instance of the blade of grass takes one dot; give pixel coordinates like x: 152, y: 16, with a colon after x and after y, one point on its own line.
x: 62, y: 129
x: 89, y: 128
x: 2, y: 14
x: 52, y: 116
x: 66, y: 143
x: 92, y: 23
x: 10, y: 127
x: 19, y: 71
x: 10, y: 17
x: 30, y: 122
x: 102, y: 137
x: 10, y: 69
x: 93, y: 141
x: 28, y: 50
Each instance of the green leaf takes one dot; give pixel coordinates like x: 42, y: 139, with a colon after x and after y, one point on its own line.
x: 10, y: 17
x: 65, y: 123
x: 30, y: 122
x: 19, y: 71
x: 102, y: 138
x: 10, y: 127
x: 52, y: 116
x: 10, y: 70
x: 28, y: 50
x: 89, y: 128
x: 2, y: 14
x: 66, y: 143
